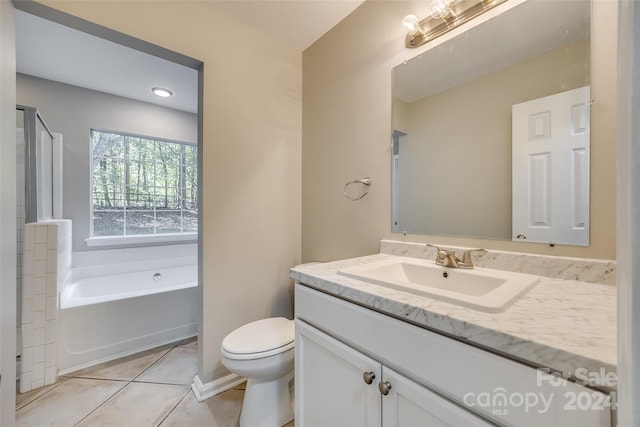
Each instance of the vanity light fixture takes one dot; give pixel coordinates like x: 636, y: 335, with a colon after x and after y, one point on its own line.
x: 161, y: 92
x: 444, y: 16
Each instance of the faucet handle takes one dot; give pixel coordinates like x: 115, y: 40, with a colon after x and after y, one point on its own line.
x: 445, y: 258
x: 466, y: 257
x: 441, y: 252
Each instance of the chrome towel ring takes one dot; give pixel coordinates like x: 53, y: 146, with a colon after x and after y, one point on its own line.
x: 363, y: 181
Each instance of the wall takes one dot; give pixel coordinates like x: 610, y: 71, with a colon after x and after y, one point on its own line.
x: 457, y: 151
x: 84, y: 110
x: 47, y: 264
x: 7, y: 215
x: 346, y: 134
x: 251, y: 152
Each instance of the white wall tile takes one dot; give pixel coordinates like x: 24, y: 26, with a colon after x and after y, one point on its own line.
x: 42, y: 232
x: 25, y: 382
x: 51, y: 355
x: 50, y: 375
x: 51, y: 332
x: 26, y: 360
x: 29, y: 236
x: 27, y: 286
x: 38, y: 337
x: 40, y: 269
x: 27, y: 335
x: 52, y: 261
x: 38, y: 355
x: 41, y: 252
x: 52, y: 284
x: 39, y: 303
x: 52, y: 307
x: 28, y: 262
x: 38, y: 320
x: 39, y: 285
x: 27, y: 311
x: 46, y: 259
x: 52, y: 238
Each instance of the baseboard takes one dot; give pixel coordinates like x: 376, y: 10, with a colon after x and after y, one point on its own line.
x: 210, y: 389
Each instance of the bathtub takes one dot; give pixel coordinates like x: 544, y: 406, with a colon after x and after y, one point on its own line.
x: 110, y: 311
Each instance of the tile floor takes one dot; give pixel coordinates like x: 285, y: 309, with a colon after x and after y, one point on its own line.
x: 148, y: 389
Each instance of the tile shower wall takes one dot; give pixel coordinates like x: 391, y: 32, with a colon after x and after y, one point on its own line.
x: 46, y: 262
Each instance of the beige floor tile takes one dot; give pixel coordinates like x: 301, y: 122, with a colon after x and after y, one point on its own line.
x: 125, y: 368
x: 179, y: 366
x: 222, y: 410
x: 67, y: 403
x: 28, y: 397
x: 137, y: 404
x: 242, y: 386
x: 189, y: 342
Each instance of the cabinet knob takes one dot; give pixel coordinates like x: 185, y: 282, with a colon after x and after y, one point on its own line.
x: 384, y: 387
x: 368, y: 377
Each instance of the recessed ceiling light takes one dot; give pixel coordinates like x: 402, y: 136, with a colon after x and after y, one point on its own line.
x: 162, y: 92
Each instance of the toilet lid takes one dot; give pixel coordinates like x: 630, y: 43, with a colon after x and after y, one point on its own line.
x: 260, y: 336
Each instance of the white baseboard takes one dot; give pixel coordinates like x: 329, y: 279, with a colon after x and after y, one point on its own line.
x: 210, y: 389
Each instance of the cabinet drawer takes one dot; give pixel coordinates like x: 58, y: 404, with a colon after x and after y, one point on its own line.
x: 495, y: 387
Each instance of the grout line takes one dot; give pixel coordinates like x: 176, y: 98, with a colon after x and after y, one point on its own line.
x: 154, y: 363
x: 174, y: 407
x: 104, y: 401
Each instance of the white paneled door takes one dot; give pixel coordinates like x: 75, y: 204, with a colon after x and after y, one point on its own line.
x: 550, y: 149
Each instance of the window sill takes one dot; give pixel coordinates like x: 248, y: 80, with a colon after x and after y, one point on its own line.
x: 154, y: 239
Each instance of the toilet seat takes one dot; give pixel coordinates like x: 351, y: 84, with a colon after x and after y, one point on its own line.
x: 262, y: 338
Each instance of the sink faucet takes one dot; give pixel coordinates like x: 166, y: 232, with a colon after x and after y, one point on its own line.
x: 447, y: 258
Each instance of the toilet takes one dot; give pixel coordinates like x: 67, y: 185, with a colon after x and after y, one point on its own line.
x: 263, y: 352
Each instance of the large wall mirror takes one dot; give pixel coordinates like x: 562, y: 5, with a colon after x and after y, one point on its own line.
x: 455, y: 109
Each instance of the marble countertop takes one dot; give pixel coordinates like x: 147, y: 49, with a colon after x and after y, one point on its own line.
x: 565, y: 325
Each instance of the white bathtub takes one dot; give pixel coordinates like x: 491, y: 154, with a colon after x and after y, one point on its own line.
x: 109, y: 311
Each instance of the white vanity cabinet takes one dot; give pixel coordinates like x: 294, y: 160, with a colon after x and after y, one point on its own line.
x: 342, y: 387
x: 429, y: 379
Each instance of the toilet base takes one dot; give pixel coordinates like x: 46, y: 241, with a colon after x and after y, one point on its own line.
x: 267, y: 403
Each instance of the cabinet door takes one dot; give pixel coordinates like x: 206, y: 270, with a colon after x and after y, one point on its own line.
x: 411, y: 404
x: 330, y: 386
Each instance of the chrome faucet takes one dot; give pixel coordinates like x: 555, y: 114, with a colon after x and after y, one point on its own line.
x: 447, y: 258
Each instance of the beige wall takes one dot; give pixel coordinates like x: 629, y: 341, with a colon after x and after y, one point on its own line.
x: 251, y: 156
x: 346, y: 135
x: 7, y: 215
x: 455, y: 161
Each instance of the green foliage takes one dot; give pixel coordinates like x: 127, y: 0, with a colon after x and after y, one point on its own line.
x: 143, y: 186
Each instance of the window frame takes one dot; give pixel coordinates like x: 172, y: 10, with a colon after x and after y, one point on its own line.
x: 127, y: 239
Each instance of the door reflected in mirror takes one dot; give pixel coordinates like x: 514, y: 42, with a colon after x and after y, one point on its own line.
x: 452, y: 168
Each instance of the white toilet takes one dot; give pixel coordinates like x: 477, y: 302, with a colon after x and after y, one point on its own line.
x: 262, y: 351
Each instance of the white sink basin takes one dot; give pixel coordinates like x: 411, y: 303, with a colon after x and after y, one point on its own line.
x: 478, y: 288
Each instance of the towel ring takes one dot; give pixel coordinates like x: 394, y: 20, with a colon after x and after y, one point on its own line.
x: 364, y: 181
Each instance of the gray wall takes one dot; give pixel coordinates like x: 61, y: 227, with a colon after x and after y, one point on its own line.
x: 74, y: 111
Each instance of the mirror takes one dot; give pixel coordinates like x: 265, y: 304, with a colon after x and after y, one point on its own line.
x: 452, y: 170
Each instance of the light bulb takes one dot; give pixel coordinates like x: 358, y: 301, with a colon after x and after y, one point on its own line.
x: 162, y: 92
x: 440, y: 9
x: 410, y: 24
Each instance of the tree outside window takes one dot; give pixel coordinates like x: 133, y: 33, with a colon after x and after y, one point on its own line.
x: 143, y: 186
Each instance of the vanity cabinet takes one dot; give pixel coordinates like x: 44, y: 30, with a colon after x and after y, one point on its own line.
x: 431, y: 379
x: 342, y: 387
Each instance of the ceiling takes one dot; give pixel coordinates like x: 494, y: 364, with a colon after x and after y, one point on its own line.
x: 55, y: 52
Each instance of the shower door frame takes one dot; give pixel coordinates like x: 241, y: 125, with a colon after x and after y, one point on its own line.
x: 31, y: 117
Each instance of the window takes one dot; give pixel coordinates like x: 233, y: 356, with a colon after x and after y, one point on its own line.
x: 143, y: 186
